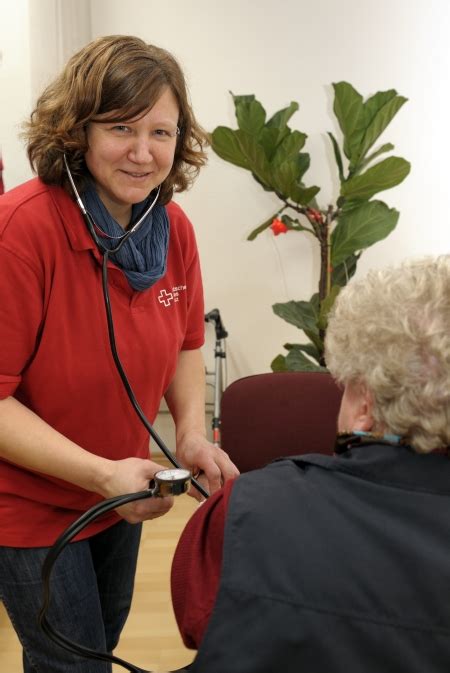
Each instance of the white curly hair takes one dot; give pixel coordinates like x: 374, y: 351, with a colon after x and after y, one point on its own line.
x: 391, y: 331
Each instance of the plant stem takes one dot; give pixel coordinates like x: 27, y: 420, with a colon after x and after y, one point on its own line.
x: 325, y: 265
x: 329, y: 218
x: 324, y: 241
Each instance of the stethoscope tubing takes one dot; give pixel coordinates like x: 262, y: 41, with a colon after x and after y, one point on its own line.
x: 106, y: 252
x: 135, y: 404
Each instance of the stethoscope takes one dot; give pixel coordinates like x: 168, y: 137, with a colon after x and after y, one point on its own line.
x: 106, y: 252
x: 171, y: 482
x: 92, y: 226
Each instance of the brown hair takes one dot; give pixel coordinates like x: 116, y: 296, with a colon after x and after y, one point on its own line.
x: 120, y: 74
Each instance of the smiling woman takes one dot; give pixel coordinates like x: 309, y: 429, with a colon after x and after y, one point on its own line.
x: 114, y: 80
x: 128, y: 160
x: 116, y: 130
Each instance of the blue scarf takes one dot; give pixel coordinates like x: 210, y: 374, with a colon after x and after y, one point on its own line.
x: 143, y: 257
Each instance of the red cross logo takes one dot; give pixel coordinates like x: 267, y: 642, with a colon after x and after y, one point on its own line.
x: 165, y: 297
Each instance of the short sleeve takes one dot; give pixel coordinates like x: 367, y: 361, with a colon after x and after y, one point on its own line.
x: 21, y: 307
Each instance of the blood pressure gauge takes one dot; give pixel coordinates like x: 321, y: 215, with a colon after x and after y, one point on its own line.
x: 175, y: 481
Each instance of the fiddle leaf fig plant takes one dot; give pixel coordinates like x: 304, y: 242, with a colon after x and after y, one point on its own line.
x: 274, y: 154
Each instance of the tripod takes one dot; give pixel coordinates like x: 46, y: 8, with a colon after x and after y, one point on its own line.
x: 219, y: 359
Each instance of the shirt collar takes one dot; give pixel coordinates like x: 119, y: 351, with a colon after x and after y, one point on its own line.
x: 72, y: 220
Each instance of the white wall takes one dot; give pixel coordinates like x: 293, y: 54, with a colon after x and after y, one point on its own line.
x: 285, y: 50
x: 15, y: 88
x: 281, y: 50
x: 36, y: 38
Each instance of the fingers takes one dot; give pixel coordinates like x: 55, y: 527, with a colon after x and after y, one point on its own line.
x: 202, y: 479
x: 217, y: 469
x: 213, y: 474
x: 130, y: 475
x: 145, y: 510
x: 227, y: 468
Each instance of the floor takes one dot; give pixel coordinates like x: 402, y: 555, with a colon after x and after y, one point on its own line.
x: 150, y: 639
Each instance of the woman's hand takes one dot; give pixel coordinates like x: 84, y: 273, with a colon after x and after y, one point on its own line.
x: 132, y: 475
x: 186, y: 400
x: 199, y: 455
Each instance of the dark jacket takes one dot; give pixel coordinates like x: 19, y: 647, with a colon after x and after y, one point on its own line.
x: 335, y: 565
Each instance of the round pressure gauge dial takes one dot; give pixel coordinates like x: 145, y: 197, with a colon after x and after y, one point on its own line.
x: 174, y: 481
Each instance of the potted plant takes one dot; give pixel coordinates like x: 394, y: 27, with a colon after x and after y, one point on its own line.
x: 274, y: 155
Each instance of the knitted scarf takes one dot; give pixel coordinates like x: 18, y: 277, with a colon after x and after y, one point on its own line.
x: 143, y: 256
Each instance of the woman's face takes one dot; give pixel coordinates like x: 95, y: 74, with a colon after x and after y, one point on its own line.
x: 128, y: 160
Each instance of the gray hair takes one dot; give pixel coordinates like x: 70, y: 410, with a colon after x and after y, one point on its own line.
x: 391, y: 330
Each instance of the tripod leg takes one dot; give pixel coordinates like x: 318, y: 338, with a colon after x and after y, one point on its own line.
x: 219, y: 355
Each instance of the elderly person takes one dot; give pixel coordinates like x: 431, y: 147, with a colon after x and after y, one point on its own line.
x: 115, y: 135
x: 338, y: 564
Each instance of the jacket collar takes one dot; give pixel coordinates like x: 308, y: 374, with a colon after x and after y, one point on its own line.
x: 397, y: 466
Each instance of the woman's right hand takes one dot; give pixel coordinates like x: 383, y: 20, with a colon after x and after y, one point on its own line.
x: 132, y: 475
x: 28, y: 441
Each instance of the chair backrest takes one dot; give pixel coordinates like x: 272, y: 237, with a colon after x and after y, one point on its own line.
x: 266, y: 416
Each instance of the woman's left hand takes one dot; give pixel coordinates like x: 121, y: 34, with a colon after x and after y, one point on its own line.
x: 200, y: 456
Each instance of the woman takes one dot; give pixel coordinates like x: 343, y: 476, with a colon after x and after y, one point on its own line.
x: 117, y: 123
x: 334, y: 564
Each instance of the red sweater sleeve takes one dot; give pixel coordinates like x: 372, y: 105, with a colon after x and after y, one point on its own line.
x: 196, y: 567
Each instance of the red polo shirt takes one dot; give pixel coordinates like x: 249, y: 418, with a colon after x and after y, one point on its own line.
x: 54, y: 350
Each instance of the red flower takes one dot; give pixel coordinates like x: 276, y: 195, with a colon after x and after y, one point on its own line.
x: 278, y: 227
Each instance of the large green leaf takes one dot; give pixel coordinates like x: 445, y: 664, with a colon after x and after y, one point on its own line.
x: 255, y: 156
x: 281, y: 118
x: 342, y: 273
x: 271, y: 138
x: 245, y: 99
x: 242, y: 149
x: 337, y: 156
x: 302, y: 314
x: 266, y: 187
x: 380, y: 110
x: 349, y: 110
x: 286, y: 176
x: 384, y: 175
x: 250, y: 115
x: 226, y: 145
x: 287, y: 169
x: 283, y: 177
x: 360, y: 227
x: 303, y: 195
x: 278, y: 364
x: 375, y: 103
x: 296, y: 361
x: 309, y: 349
x: 387, y: 147
x: 289, y: 148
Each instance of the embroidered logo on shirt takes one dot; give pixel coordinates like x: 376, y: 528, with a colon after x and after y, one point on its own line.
x: 173, y: 295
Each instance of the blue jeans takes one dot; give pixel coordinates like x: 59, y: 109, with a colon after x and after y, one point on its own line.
x: 91, y: 590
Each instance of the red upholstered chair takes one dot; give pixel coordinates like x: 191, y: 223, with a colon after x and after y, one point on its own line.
x: 266, y: 416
